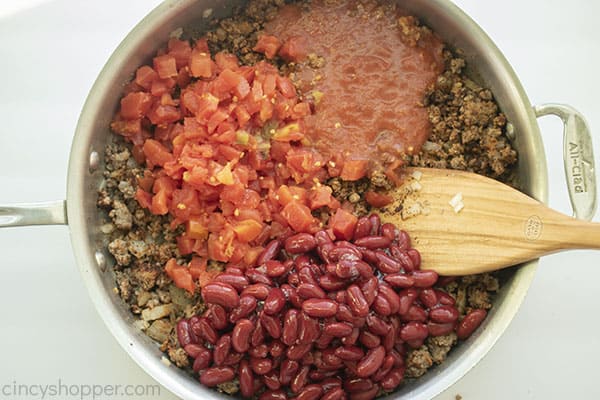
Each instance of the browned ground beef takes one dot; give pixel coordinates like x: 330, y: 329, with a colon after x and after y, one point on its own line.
x: 468, y: 133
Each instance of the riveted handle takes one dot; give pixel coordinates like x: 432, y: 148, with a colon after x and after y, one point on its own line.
x: 48, y: 213
x: 578, y: 157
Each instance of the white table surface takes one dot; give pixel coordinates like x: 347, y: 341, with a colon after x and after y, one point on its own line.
x: 50, y: 54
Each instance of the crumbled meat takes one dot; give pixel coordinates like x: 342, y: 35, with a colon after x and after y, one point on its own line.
x: 159, y: 330
x: 439, y: 346
x: 124, y: 286
x: 121, y: 216
x: 179, y: 357
x: 418, y: 361
x: 119, y: 249
x: 145, y: 276
x: 158, y: 312
x: 230, y: 387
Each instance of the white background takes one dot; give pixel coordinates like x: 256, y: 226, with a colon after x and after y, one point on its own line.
x: 50, y: 54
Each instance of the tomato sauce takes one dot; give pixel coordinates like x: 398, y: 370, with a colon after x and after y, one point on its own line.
x: 369, y: 92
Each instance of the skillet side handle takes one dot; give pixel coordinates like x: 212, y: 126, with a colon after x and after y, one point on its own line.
x: 48, y: 213
x: 578, y: 157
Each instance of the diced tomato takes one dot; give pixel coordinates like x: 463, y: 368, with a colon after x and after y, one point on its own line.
x: 294, y: 49
x: 207, y: 106
x: 227, y: 61
x: 165, y: 66
x: 247, y: 230
x: 298, y: 216
x: 181, y: 275
x: 160, y: 203
x: 301, y: 110
x: 377, y: 199
x: 268, y: 45
x: 201, y: 65
x: 201, y: 45
x: 146, y: 181
x: 135, y: 105
x: 160, y: 114
x: 185, y: 245
x: 216, y: 118
x: 162, y: 86
x: 319, y: 196
x: 144, y: 76
x: 199, y: 271
x: 242, y: 115
x: 252, y: 254
x: 143, y: 198
x: 343, y: 224
x: 127, y: 128
x: 156, y: 153
x: 180, y: 50
x: 196, y: 228
x: 353, y: 170
x: 220, y: 245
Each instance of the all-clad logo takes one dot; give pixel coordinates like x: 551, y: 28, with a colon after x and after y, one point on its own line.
x: 577, y: 171
x: 533, y: 227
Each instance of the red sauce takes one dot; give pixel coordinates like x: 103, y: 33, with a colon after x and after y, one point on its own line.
x: 372, y: 82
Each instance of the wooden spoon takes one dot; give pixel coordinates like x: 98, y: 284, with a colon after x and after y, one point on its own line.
x: 498, y: 226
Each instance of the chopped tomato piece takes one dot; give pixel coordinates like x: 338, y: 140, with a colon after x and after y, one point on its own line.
x: 377, y: 199
x: 180, y: 50
x: 220, y: 245
x: 156, y: 153
x: 143, y: 198
x: 343, y: 224
x: 181, y: 275
x: 353, y: 170
x: 294, y: 49
x: 286, y: 87
x: 196, y: 228
x: 199, y: 271
x: 268, y: 45
x: 144, y: 76
x: 227, y: 61
x: 247, y: 230
x: 160, y: 114
x: 135, y: 105
x: 159, y: 203
x: 201, y: 65
x: 319, y: 196
x: 298, y: 216
x: 165, y: 66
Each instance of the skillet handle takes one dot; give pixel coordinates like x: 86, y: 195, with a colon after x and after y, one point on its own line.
x: 23, y: 214
x: 578, y: 156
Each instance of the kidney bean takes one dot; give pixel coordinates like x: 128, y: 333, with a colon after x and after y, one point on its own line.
x: 356, y: 301
x: 338, y: 329
x: 287, y: 371
x: 370, y: 362
x: 407, y: 298
x: 234, y: 270
x: 369, y: 340
x: 297, y: 351
x: 428, y: 298
x: 261, y: 366
x: 322, y: 237
x: 351, y: 338
x: 415, y: 256
x: 320, y: 374
x: 391, y: 296
x: 373, y: 242
x: 260, y: 351
x: 217, y: 316
x: 377, y: 325
x: 193, y: 350
x: 346, y: 269
x: 300, y: 380
x: 387, y: 264
x: 259, y: 291
x: 183, y: 332
x: 445, y: 280
x: 255, y: 275
x: 202, y: 360
x: 414, y: 331
x: 320, y: 308
x: 247, y: 306
x: 239, y: 282
x: 436, y: 329
x: 334, y: 394
x: 389, y: 231
x: 415, y: 313
x: 399, y: 280
x: 444, y: 298
x: 275, y: 269
x: 370, y: 288
x: 382, y: 306
x: 308, y: 328
x: 363, y: 228
x: 306, y: 275
x: 290, y: 327
x: 388, y: 364
x: 273, y: 395
x: 214, y: 376
x: 331, y: 282
x: 258, y: 335
x: 271, y: 380
x: 277, y: 348
x: 246, y: 378
x: 300, y: 243
x: 443, y: 314
x: 324, y: 341
x: 424, y: 278
x: 358, y: 385
x: 469, y: 323
x: 221, y: 350
x: 345, y: 251
x: 293, y: 278
x: 349, y: 353
x: 340, y: 297
x: 402, y: 257
x: 206, y: 331
x: 392, y: 379
x: 366, y: 395
x: 310, y: 392
x: 274, y: 301
x: 330, y: 358
x: 272, y: 325
x: 220, y: 293
x: 375, y: 223
x: 269, y: 252
x: 240, y: 337
x: 309, y: 291
x: 331, y: 383
x: 194, y: 329
x: 390, y: 338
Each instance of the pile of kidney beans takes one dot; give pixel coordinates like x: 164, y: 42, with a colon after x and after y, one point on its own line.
x: 325, y: 318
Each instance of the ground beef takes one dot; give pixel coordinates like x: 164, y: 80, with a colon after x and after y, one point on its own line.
x: 418, y: 361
